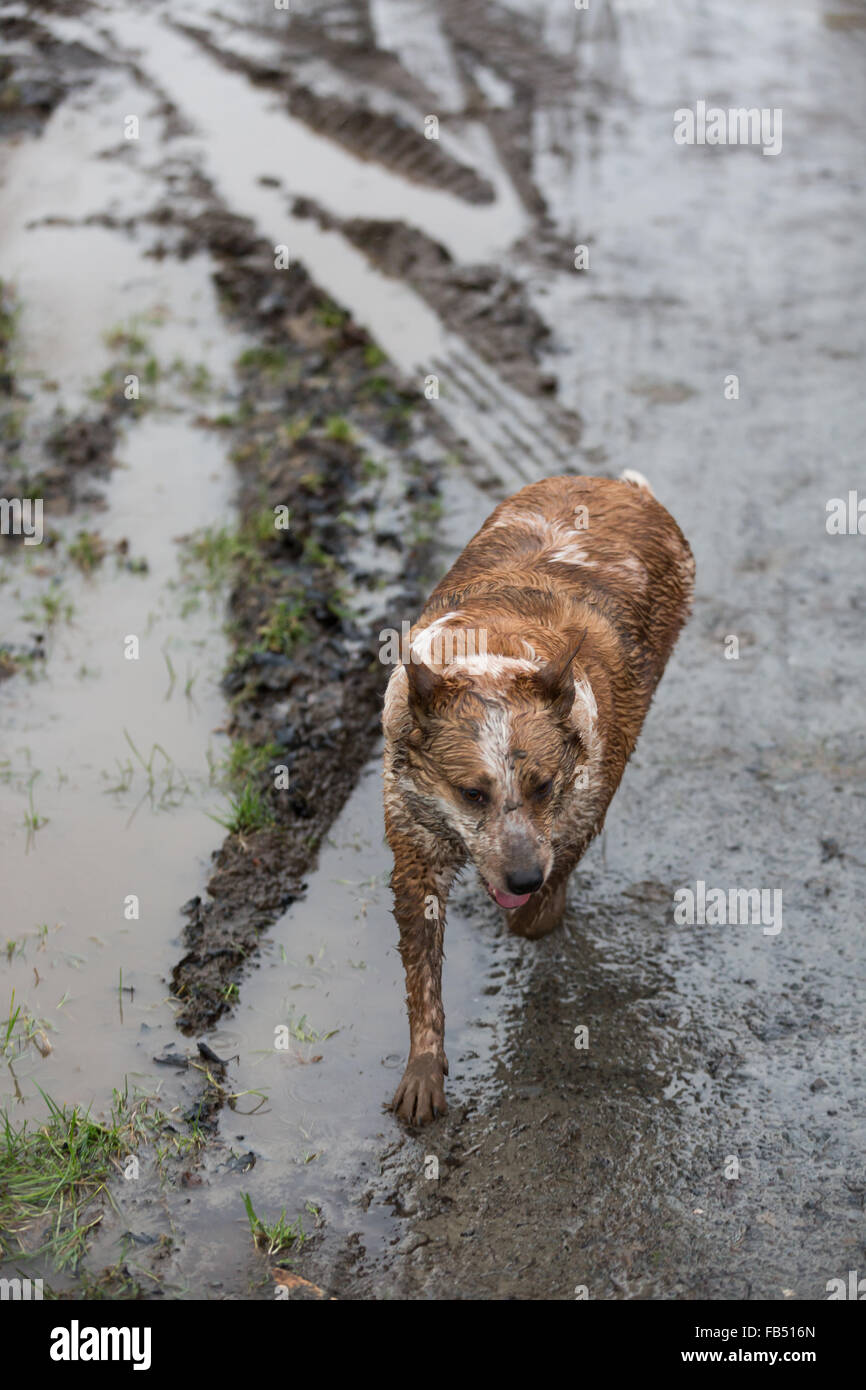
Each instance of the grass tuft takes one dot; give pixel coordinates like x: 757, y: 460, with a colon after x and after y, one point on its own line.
x: 279, y: 1235
x: 52, y: 1174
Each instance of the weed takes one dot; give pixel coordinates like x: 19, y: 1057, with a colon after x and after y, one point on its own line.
x: 247, y: 812
x: 266, y: 359
x: 372, y: 468
x: 49, y: 609
x: 87, y: 551
x: 32, y: 820
x: 302, y: 1033
x: 279, y: 1235
x: 338, y: 428
x: 51, y: 1175
x: 284, y: 626
x: 330, y: 315
x: 248, y: 761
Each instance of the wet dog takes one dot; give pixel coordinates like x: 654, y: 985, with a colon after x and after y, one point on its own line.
x: 507, y: 732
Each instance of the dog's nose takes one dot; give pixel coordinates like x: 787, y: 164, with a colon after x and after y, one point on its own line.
x: 524, y: 880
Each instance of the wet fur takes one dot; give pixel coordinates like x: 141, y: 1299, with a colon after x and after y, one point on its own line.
x: 579, y: 624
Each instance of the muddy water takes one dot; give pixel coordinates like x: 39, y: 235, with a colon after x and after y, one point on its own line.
x: 308, y: 1126
x: 713, y: 1044
x: 610, y: 1168
x: 506, y: 431
x: 116, y: 821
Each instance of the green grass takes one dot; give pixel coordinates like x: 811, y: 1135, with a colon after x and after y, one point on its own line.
x: 126, y: 340
x: 17, y: 946
x: 301, y: 1032
x: 248, y: 811
x: 261, y: 525
x: 132, y: 357
x: 295, y: 430
x: 52, y: 1173
x: 49, y: 609
x: 338, y: 428
x: 166, y: 784
x: 330, y: 315
x: 21, y: 1028
x: 375, y: 386
x: 266, y: 359
x: 221, y: 551
x: 315, y: 554
x: 279, y: 1235
x: 284, y: 626
x: 11, y: 1026
x: 9, y: 315
x: 372, y: 468
x: 312, y: 481
x: 194, y: 377
x: 248, y: 761
x: 33, y: 821
x: 87, y: 551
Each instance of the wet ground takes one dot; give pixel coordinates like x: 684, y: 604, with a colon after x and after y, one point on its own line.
x: 708, y: 1143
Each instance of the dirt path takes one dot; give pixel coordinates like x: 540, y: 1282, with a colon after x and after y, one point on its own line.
x: 708, y: 1141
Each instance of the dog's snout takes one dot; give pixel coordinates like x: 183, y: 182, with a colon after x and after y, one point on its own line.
x: 524, y: 880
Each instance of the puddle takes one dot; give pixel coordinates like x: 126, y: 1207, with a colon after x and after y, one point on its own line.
x: 411, y: 29
x: 114, y: 757
x: 230, y: 117
x: 313, y: 1115
x: 234, y: 119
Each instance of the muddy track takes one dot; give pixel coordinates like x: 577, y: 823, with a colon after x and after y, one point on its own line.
x: 707, y: 1141
x: 38, y: 71
x: 371, y: 135
x: 318, y: 706
x: 487, y: 307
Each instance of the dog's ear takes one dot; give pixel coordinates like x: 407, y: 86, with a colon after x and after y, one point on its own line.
x: 425, y: 685
x: 556, y: 682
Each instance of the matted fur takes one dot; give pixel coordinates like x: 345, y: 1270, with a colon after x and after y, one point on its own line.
x: 533, y: 666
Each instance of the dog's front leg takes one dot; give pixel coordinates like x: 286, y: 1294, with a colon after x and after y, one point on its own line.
x: 420, y: 895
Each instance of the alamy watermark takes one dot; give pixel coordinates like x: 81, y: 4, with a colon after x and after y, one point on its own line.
x: 22, y: 516
x: 437, y: 645
x: 741, y: 125
x: 854, y: 1288
x: 20, y: 1289
x: 846, y: 516
x: 703, y: 906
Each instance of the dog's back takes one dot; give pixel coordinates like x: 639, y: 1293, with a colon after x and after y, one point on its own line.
x: 566, y: 555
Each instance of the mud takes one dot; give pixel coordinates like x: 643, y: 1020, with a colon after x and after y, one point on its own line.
x: 705, y: 1138
x: 316, y: 705
x: 487, y: 307
x: 369, y: 134
x: 38, y: 70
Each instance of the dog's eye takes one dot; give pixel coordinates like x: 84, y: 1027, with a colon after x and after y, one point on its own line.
x: 473, y: 794
x: 543, y: 789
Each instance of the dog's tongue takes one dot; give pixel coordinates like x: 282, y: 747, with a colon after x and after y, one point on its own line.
x: 510, y: 899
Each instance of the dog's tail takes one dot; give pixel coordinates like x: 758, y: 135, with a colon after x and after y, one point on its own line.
x: 631, y: 475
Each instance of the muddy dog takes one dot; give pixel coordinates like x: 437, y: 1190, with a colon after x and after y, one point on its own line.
x: 531, y: 671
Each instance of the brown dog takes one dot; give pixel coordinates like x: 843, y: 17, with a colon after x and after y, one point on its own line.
x: 532, y: 668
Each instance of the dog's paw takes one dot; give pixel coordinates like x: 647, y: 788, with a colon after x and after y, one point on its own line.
x: 420, y: 1097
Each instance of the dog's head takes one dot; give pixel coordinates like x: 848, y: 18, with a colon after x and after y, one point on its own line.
x: 493, y: 750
